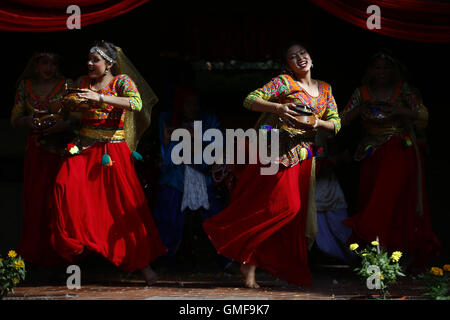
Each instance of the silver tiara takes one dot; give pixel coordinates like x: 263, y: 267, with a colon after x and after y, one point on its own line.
x: 102, y: 53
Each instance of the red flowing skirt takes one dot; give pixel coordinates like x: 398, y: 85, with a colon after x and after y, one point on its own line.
x: 104, y: 209
x: 265, y: 222
x: 388, y: 196
x: 40, y: 169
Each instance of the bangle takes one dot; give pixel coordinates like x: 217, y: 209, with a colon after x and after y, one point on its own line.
x: 100, y: 97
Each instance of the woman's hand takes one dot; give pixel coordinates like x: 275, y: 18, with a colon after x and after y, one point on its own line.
x: 89, y: 95
x: 288, y: 114
x: 327, y: 125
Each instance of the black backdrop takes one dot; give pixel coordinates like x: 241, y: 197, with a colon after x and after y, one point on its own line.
x: 250, y: 31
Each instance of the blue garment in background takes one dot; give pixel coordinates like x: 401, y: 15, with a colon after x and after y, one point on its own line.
x: 167, y: 212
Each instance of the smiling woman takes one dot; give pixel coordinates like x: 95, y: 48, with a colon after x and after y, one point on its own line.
x: 271, y: 217
x: 98, y: 202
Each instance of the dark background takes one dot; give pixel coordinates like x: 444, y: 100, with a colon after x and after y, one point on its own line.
x: 162, y: 37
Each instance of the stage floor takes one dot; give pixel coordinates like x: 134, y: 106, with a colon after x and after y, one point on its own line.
x: 329, y: 283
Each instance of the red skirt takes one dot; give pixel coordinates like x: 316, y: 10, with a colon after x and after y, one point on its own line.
x: 40, y: 169
x: 104, y: 209
x: 388, y: 201
x: 265, y: 222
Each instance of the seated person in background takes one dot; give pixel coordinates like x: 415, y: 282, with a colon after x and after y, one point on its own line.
x: 331, y: 205
x: 181, y: 187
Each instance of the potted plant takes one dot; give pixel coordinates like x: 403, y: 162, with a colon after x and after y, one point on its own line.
x: 378, y: 269
x: 12, y: 271
x: 437, y: 282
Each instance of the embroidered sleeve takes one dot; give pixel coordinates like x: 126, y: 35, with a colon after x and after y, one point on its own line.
x: 271, y: 91
x: 414, y: 101
x: 127, y: 88
x: 331, y: 113
x: 19, y: 103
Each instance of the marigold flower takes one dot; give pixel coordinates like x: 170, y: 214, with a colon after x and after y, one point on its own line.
x: 354, y: 246
x: 381, y: 277
x: 396, y: 255
x: 375, y: 243
x: 18, y: 264
x: 436, y: 271
x: 12, y: 254
x: 15, y: 281
x: 446, y: 267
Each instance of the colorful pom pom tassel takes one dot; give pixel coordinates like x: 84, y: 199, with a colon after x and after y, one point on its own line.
x: 406, y: 141
x: 106, y: 161
x: 368, y: 150
x: 137, y: 156
x: 303, y: 153
x: 309, y: 156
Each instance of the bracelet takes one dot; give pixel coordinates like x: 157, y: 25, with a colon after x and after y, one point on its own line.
x: 100, y: 99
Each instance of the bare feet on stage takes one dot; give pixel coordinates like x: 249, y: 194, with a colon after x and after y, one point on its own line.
x: 150, y: 276
x: 248, y: 270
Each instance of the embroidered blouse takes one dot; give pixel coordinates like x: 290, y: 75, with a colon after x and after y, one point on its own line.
x: 379, y: 132
x: 27, y: 101
x: 295, y: 146
x: 103, y: 122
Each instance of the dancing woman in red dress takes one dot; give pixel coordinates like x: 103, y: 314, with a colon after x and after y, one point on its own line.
x: 265, y: 224
x: 393, y: 202
x: 98, y: 201
x: 39, y: 85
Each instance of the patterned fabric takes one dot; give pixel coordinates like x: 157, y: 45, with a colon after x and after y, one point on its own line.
x: 27, y: 101
x: 283, y: 89
x: 108, y: 116
x: 378, y: 133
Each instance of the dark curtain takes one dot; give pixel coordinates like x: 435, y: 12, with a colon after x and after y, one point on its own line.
x: 423, y: 21
x: 50, y: 15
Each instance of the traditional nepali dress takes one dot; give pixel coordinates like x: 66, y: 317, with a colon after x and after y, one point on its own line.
x: 392, y: 193
x: 40, y: 169
x: 101, y: 207
x: 266, y: 221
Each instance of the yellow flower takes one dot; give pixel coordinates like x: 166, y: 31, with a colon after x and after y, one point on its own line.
x: 354, y: 246
x: 436, y: 271
x: 396, y: 255
x: 446, y: 267
x: 16, y: 281
x: 374, y: 243
x: 12, y: 254
x: 19, y: 264
x: 364, y: 254
x: 381, y: 277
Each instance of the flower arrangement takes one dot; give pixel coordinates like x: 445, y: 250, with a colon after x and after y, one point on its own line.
x: 437, y: 282
x: 12, y: 271
x: 377, y: 264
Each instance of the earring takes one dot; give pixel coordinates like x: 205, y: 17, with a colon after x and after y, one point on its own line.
x: 106, y: 71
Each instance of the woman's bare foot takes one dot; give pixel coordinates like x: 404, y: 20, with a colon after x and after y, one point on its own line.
x: 150, y: 276
x: 248, y: 270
